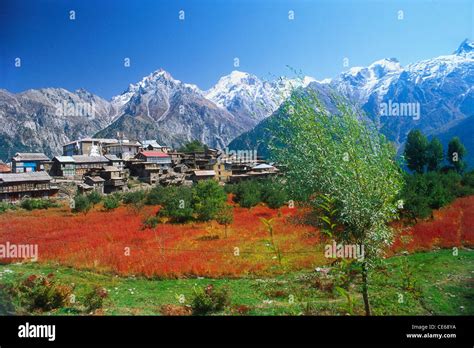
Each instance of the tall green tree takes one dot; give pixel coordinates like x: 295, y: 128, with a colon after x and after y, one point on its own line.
x: 208, y: 199
x: 434, y: 155
x: 456, y: 153
x: 416, y: 151
x: 347, y: 159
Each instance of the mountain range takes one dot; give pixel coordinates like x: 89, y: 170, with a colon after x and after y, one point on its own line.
x: 441, y: 90
x: 236, y: 110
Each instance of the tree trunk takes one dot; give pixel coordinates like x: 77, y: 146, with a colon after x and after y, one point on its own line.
x: 365, y: 289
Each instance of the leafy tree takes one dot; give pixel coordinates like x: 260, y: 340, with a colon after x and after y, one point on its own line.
x: 82, y: 204
x: 347, y: 159
x: 136, y: 199
x: 434, y: 154
x: 424, y: 192
x: 111, y: 202
x: 247, y: 193
x: 225, y: 216
x: 208, y: 199
x: 273, y: 193
x: 177, y: 205
x: 133, y: 197
x: 156, y: 195
x: 416, y: 151
x: 193, y: 146
x: 94, y: 197
x: 456, y: 153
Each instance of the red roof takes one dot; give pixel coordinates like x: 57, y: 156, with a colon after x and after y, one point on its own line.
x: 154, y: 154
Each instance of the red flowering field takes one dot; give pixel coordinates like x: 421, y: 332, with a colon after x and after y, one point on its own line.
x: 452, y: 226
x: 116, y: 241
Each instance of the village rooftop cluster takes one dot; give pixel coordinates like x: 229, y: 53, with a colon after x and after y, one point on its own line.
x: 111, y: 165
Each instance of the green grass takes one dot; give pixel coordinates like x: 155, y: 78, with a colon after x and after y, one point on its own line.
x: 432, y: 283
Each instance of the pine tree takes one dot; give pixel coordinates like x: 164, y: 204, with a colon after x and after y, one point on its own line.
x: 416, y: 151
x: 434, y: 155
x: 456, y: 152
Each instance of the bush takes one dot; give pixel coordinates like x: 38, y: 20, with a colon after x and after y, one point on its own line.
x: 134, y: 197
x: 41, y: 293
x: 82, y: 204
x: 94, y: 197
x: 424, y: 192
x: 468, y: 179
x: 32, y: 204
x: 273, y: 193
x: 177, y: 204
x: 111, y: 202
x: 208, y: 199
x: 151, y: 222
x: 6, y: 206
x: 209, y: 300
x: 95, y: 299
x: 247, y: 193
x: 157, y: 195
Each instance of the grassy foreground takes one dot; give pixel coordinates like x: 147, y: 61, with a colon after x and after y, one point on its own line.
x: 431, y: 283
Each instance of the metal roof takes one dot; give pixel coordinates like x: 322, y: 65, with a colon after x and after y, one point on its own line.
x: 113, y: 157
x: 100, y: 140
x: 90, y: 159
x: 64, y: 159
x: 30, y: 156
x: 153, y: 154
x: 153, y: 143
x: 263, y: 166
x: 204, y: 173
x: 23, y: 177
x: 94, y: 178
x: 110, y: 169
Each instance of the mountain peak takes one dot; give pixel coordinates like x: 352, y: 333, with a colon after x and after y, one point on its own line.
x: 467, y: 46
x: 386, y: 64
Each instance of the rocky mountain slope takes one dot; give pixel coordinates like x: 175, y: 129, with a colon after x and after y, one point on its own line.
x: 44, y: 119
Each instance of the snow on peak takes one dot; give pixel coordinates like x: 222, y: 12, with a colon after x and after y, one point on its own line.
x: 386, y: 66
x: 466, y: 47
x: 242, y: 86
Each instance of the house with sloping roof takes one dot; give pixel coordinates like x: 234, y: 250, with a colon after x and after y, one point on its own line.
x: 199, y: 175
x: 152, y: 145
x: 85, y: 164
x: 124, y: 149
x: 15, y: 186
x: 87, y: 146
x: 158, y: 157
x: 24, y: 162
x: 96, y: 182
x: 64, y: 166
x: 115, y: 161
x: 114, y: 179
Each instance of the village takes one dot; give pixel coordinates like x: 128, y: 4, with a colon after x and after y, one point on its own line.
x: 117, y: 165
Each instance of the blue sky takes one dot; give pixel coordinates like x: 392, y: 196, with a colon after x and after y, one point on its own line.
x: 89, y: 52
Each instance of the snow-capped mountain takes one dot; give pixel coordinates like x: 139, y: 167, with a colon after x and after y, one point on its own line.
x: 173, y: 112
x: 359, y: 83
x: 163, y: 108
x: 251, y: 99
x: 440, y: 90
